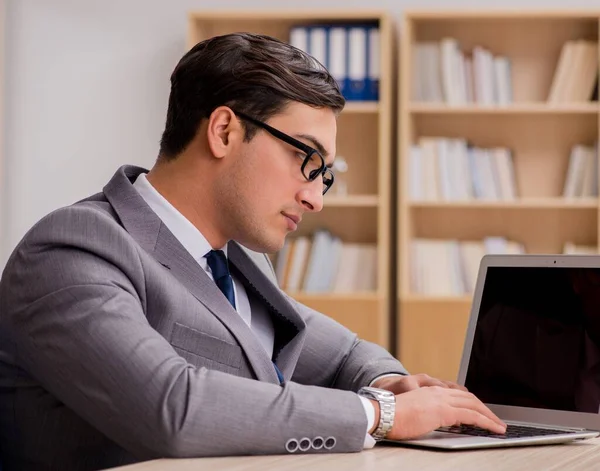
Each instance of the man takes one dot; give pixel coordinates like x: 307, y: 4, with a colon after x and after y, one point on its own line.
x: 145, y: 321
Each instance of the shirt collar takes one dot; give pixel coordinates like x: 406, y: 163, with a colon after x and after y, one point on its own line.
x: 183, y: 230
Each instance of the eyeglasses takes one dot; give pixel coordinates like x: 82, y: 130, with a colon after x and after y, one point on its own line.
x: 313, y: 164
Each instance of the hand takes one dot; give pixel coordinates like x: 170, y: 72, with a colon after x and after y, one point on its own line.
x: 402, y: 384
x: 423, y: 410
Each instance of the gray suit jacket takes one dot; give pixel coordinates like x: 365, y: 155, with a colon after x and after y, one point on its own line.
x: 116, y: 347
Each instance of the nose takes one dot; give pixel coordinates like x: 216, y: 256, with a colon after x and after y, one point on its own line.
x: 311, y: 196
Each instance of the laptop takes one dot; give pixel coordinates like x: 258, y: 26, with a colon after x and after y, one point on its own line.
x: 531, y: 352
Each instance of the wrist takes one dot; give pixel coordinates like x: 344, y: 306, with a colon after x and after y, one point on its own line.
x: 377, y: 412
x: 385, y: 410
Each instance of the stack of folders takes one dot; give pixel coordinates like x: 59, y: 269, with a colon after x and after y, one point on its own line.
x: 350, y: 52
x: 322, y: 263
x: 443, y: 73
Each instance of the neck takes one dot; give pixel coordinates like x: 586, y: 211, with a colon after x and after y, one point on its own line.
x: 188, y: 189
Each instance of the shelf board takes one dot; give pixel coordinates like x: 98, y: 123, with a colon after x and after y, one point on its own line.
x: 522, y: 203
x: 361, y: 107
x: 317, y: 297
x: 516, y: 108
x: 363, y: 201
x: 424, y: 298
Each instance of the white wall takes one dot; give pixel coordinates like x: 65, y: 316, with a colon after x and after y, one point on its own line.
x: 86, y: 88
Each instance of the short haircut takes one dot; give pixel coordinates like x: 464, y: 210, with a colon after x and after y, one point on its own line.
x: 253, y: 73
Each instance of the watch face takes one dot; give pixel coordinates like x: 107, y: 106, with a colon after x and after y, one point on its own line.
x: 378, y: 392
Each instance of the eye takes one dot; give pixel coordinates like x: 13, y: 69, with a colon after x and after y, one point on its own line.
x: 300, y: 155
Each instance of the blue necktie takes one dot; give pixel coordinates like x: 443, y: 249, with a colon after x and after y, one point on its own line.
x: 217, y: 261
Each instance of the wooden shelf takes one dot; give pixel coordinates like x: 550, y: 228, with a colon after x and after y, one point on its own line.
x: 501, y: 14
x: 539, y: 135
x: 424, y: 299
x: 351, y: 201
x: 523, y: 203
x: 351, y: 297
x: 516, y: 108
x: 359, y: 312
x: 361, y: 107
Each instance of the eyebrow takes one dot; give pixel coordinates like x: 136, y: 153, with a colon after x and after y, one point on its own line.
x: 315, y: 142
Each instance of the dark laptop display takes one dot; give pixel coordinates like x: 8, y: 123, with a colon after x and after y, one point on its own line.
x: 537, y: 339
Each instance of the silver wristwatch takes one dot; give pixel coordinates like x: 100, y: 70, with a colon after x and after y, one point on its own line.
x: 387, y: 408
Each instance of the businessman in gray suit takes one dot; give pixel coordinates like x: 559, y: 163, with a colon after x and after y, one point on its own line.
x: 145, y: 320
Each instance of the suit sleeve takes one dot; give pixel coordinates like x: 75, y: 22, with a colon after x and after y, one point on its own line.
x: 72, y: 301
x: 345, y: 361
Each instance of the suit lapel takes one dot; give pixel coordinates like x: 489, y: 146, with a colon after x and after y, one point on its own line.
x: 289, y: 326
x: 147, y: 229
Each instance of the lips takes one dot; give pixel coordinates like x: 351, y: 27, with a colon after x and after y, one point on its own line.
x: 293, y: 217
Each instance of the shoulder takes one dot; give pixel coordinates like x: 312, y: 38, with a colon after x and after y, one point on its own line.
x: 87, y: 232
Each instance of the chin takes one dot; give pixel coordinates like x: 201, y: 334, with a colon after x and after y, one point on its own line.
x: 264, y: 245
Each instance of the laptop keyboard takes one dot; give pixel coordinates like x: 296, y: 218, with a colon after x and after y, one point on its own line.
x: 512, y: 431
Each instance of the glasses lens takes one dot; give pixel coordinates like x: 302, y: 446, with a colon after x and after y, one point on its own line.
x: 312, y: 166
x: 327, y: 180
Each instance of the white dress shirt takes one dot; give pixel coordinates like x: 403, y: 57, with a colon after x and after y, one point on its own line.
x: 197, y: 245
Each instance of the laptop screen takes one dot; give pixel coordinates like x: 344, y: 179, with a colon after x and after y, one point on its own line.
x: 537, y: 339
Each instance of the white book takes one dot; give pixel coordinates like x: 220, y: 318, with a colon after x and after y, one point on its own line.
x: 315, y: 266
x: 462, y: 171
x: 434, y: 73
x: 506, y: 180
x: 471, y: 254
x: 298, y: 263
x: 347, y: 269
x: 431, y: 186
x: 450, y: 85
x: 415, y: 174
x: 495, y: 245
x: 282, y: 261
x: 469, y: 80
x: 357, y: 61
x: 445, y: 170
x: 337, y: 55
x: 486, y: 170
x: 574, y: 177
x: 502, y: 80
x: 589, y: 173
x: 318, y: 44
x: 299, y: 38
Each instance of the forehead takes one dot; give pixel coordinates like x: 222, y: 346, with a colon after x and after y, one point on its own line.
x: 303, y: 121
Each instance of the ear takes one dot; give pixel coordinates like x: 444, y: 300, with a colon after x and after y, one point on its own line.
x: 222, y: 130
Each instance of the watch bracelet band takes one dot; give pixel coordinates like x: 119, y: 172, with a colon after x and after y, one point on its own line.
x: 386, y: 419
x: 387, y: 409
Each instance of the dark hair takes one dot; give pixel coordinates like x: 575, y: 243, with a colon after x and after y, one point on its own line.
x: 253, y: 73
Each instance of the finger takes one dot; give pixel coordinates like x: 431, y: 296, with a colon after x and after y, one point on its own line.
x: 474, y: 404
x: 428, y: 381
x: 452, y: 385
x: 472, y: 417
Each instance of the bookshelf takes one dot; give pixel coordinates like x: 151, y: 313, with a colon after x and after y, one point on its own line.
x: 540, y: 135
x: 364, y: 139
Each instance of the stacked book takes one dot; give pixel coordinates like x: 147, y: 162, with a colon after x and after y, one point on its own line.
x: 581, y: 180
x: 572, y: 248
x: 443, y: 73
x: 450, y: 267
x: 444, y: 169
x: 322, y: 263
x: 576, y: 73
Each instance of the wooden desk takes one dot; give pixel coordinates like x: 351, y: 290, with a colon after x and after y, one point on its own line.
x: 584, y: 455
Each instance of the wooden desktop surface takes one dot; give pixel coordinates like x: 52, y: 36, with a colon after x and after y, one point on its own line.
x: 582, y: 455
